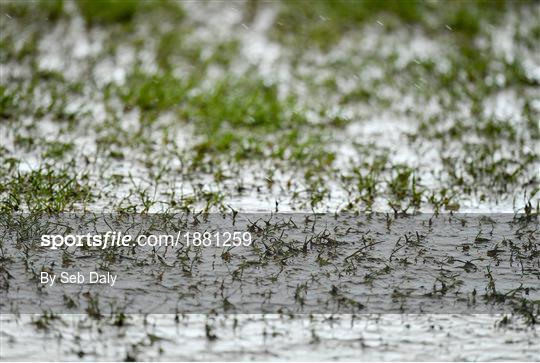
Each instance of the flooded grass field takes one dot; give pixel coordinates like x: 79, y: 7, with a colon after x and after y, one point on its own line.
x: 398, y: 116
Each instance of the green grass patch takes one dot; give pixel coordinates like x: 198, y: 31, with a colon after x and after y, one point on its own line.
x: 158, y: 92
x: 323, y: 23
x: 33, y: 11
x: 110, y: 12
x: 46, y: 189
x: 240, y: 104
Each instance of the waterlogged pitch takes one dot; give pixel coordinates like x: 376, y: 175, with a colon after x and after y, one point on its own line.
x: 265, y: 180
